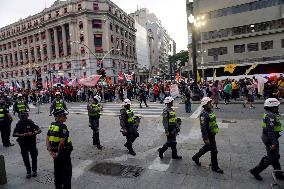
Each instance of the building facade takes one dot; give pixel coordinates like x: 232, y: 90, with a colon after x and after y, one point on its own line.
x: 159, y: 41
x: 243, y: 32
x: 68, y: 39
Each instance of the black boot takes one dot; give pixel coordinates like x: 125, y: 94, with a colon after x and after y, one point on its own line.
x: 218, y: 170
x: 263, y: 164
x: 196, y: 160
x: 255, y: 174
x: 162, y: 151
x: 174, y: 152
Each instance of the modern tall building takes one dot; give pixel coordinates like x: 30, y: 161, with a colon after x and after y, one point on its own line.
x: 159, y: 41
x: 68, y: 39
x: 243, y: 32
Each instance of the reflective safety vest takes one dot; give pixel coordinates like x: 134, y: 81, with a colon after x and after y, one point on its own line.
x: 2, y: 115
x: 54, y: 136
x: 277, y: 126
x: 95, y: 110
x: 21, y: 106
x: 58, y: 105
x: 130, y: 116
x: 213, y: 123
x: 172, y: 118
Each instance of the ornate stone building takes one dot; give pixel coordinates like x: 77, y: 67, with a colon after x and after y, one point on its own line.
x: 68, y: 39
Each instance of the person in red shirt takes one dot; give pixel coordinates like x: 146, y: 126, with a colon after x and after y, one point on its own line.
x: 156, y: 92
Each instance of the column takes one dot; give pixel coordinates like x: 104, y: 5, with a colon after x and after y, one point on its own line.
x: 49, y: 50
x: 64, y: 40
x: 72, y: 31
x: 56, y: 42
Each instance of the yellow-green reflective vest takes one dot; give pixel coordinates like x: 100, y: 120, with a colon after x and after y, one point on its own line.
x: 277, y: 126
x: 213, y: 123
x: 21, y: 106
x: 2, y: 115
x: 130, y: 116
x: 172, y: 118
x: 58, y: 105
x: 95, y: 110
x: 54, y: 135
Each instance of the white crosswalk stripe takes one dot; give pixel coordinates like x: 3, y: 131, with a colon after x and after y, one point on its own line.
x: 154, y: 110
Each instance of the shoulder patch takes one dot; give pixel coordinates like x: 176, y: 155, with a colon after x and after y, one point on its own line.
x: 64, y: 131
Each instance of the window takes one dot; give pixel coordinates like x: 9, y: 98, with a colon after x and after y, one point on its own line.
x: 96, y: 6
x: 98, y: 43
x: 111, y: 38
x: 79, y: 7
x: 217, y: 51
x: 57, y: 13
x: 49, y: 16
x: 97, y: 23
x: 239, y: 48
x: 266, y: 45
x: 81, y: 25
x: 252, y: 47
x: 110, y: 9
x: 110, y: 26
x: 65, y: 10
x: 116, y: 28
x: 81, y: 37
x: 282, y: 43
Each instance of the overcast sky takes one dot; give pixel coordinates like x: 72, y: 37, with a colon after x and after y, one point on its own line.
x: 171, y: 13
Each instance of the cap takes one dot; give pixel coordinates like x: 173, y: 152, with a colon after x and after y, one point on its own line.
x: 168, y: 99
x: 57, y: 93
x: 97, y: 97
x: 205, y: 100
x: 127, y: 101
x: 271, y: 102
x: 20, y: 95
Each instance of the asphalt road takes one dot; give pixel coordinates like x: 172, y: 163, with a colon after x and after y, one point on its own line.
x: 239, y: 146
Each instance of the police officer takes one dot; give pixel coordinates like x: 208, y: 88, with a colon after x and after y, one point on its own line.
x: 20, y: 105
x: 271, y: 126
x: 128, y: 126
x: 26, y: 131
x: 59, y: 146
x: 5, y: 124
x: 171, y: 129
x: 58, y: 104
x: 209, y: 129
x: 94, y: 116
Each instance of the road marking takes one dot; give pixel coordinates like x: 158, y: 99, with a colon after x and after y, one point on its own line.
x: 158, y: 165
x: 196, y: 113
x: 79, y: 169
x: 223, y: 125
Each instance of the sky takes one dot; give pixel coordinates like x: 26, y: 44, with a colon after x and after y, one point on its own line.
x: 171, y: 13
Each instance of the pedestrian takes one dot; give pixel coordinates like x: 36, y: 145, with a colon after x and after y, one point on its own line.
x: 171, y: 129
x: 59, y: 146
x: 143, y: 96
x: 57, y: 104
x: 272, y: 127
x: 227, y: 91
x: 94, y: 109
x: 128, y: 126
x: 215, y: 95
x: 187, y: 94
x: 209, y: 129
x: 5, y: 124
x: 26, y: 131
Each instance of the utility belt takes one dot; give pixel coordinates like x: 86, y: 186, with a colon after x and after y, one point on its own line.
x: 66, y: 149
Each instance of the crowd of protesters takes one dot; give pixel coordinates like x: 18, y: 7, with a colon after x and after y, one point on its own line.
x: 227, y: 90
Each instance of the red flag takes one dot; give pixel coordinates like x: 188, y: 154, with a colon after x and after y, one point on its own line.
x: 90, y: 81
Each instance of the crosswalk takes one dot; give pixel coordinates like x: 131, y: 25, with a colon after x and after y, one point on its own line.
x: 154, y: 110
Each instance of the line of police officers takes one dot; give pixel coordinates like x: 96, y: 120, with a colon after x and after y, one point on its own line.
x: 59, y: 144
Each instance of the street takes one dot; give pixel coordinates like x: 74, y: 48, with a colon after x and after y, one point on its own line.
x: 239, y: 146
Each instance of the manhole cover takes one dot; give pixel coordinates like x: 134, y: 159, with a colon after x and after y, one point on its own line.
x: 45, y: 179
x: 116, y: 169
x: 229, y: 121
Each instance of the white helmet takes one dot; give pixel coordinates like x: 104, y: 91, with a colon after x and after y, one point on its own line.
x: 57, y: 93
x: 98, y: 98
x: 271, y: 102
x: 168, y: 99
x: 20, y: 95
x: 127, y: 101
x: 205, y: 100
